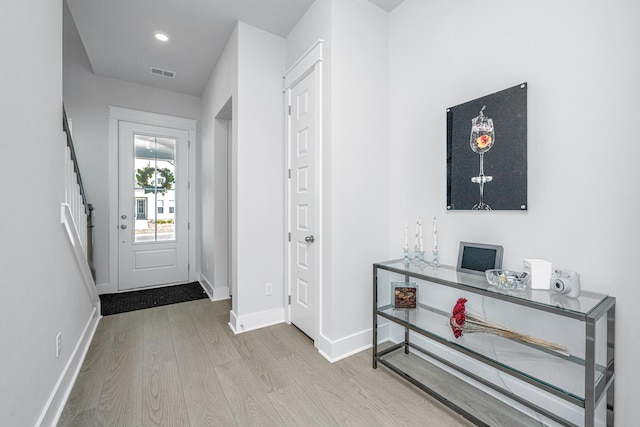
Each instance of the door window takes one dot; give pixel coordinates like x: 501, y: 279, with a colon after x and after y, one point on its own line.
x: 154, y: 181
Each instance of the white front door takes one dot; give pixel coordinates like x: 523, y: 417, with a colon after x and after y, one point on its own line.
x: 302, y: 146
x: 153, y: 170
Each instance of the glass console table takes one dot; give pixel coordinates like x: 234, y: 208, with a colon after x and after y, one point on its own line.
x: 572, y: 388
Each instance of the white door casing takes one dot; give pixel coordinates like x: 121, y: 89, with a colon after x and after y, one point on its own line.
x: 150, y: 252
x: 303, y: 91
x: 231, y: 275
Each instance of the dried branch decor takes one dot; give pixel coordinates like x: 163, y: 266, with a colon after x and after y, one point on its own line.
x: 463, y: 321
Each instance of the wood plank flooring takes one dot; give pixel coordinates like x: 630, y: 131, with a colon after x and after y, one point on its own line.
x: 180, y: 365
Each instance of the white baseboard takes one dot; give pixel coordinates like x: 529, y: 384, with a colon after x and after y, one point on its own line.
x: 335, y: 350
x: 58, y: 398
x: 240, y: 324
x: 106, y: 288
x: 215, y: 294
x: 208, y: 288
x: 220, y: 294
x: 233, y: 321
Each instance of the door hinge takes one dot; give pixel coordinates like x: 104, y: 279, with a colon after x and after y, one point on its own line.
x: 188, y: 226
x: 289, y: 173
x: 289, y: 109
x: 289, y: 236
x: 188, y: 267
x: 289, y: 299
x: 189, y: 144
x: 189, y: 185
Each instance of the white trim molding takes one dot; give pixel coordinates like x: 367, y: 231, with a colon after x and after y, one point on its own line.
x: 208, y: 288
x: 147, y: 118
x: 215, y: 294
x: 340, y: 349
x: 255, y: 320
x: 66, y: 219
x: 303, y: 66
x: 58, y: 399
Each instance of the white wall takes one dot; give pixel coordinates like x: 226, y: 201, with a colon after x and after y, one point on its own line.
x: 359, y: 167
x: 250, y: 73
x: 86, y: 98
x: 355, y: 162
x: 221, y: 88
x: 581, y: 61
x: 314, y: 25
x: 42, y: 289
x: 261, y: 170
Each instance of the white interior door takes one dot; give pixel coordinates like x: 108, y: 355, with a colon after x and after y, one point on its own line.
x: 302, y: 146
x: 153, y: 206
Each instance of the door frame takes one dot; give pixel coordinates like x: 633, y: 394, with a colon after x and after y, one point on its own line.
x: 310, y: 62
x: 117, y: 115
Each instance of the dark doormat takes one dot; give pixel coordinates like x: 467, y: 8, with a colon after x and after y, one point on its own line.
x: 148, y: 298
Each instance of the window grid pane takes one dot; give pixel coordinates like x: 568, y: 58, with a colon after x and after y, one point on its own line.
x: 154, y: 184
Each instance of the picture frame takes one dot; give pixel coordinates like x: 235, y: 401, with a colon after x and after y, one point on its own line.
x: 476, y: 258
x: 487, y: 152
x: 404, y: 296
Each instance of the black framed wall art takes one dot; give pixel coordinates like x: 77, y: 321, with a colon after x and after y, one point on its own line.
x: 487, y: 152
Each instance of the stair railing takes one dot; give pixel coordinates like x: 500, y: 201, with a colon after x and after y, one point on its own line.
x: 76, y: 199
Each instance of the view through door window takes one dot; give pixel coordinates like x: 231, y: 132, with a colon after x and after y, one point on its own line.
x: 154, y: 188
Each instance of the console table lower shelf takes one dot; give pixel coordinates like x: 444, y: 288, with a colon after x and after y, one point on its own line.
x: 478, y: 407
x: 572, y: 388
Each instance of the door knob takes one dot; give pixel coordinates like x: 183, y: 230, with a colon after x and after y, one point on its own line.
x: 123, y: 226
x: 309, y: 239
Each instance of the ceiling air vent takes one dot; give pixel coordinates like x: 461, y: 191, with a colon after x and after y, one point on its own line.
x: 164, y: 73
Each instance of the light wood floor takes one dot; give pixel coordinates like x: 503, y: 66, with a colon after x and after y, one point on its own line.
x: 180, y: 365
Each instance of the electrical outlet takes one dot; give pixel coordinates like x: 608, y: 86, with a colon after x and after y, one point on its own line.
x: 268, y: 289
x: 58, y: 344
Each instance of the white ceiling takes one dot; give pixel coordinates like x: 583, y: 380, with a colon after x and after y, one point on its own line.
x: 118, y: 35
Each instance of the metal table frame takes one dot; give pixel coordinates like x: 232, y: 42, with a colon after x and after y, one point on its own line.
x: 594, y: 391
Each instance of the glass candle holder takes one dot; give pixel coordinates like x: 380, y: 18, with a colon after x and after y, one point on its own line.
x: 435, y: 258
x: 405, y: 257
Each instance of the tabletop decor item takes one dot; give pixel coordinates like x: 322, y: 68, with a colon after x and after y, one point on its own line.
x: 405, y: 295
x: 405, y: 250
x: 477, y: 258
x: 435, y: 259
x: 506, y: 279
x: 464, y: 321
x: 418, y: 250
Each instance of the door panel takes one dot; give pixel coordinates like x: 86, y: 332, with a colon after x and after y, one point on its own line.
x: 153, y: 206
x: 303, y: 205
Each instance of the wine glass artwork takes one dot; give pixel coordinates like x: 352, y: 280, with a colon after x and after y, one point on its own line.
x: 502, y: 179
x: 481, y: 140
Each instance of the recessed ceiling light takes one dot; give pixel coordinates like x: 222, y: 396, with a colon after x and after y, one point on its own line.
x: 163, y: 37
